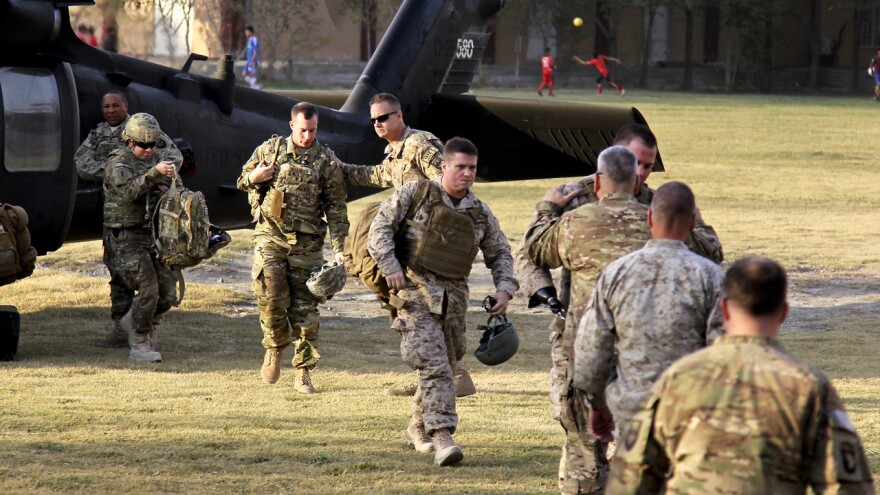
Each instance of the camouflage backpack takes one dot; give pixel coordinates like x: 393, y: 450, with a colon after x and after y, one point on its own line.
x: 17, y: 257
x: 181, y: 229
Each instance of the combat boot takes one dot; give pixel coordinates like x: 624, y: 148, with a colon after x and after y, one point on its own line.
x: 464, y: 386
x: 416, y: 436
x: 303, y: 381
x: 407, y: 390
x: 271, y: 370
x: 446, y: 452
x: 141, y: 350
x: 117, y: 338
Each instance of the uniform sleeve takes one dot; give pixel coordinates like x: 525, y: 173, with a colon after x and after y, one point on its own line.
x: 169, y: 152
x: 839, y: 464
x: 427, y: 158
x: 715, y: 321
x: 369, y: 175
x: 496, y: 255
x: 385, y: 225
x: 87, y: 165
x: 705, y: 242
x: 594, y: 346
x: 541, y: 239
x: 121, y: 178
x: 640, y: 464
x: 243, y: 183
x: 333, y: 201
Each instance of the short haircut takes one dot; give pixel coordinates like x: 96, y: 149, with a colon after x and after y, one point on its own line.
x: 618, y: 165
x: 756, y: 284
x: 117, y: 93
x: 635, y: 131
x: 547, y: 50
x: 250, y: 28
x: 673, y: 203
x: 459, y: 145
x: 385, y: 98
x: 305, y: 108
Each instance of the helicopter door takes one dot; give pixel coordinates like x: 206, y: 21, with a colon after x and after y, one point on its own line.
x: 38, y: 139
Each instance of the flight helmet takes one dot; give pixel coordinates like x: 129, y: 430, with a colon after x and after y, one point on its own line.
x: 328, y: 280
x: 142, y: 128
x: 499, y: 341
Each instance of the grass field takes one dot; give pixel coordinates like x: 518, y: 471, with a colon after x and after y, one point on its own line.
x: 788, y: 177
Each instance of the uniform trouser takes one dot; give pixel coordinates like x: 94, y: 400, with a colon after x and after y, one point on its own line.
x: 424, y: 347
x: 153, y: 284
x: 120, y: 295
x: 584, y: 466
x: 280, y: 276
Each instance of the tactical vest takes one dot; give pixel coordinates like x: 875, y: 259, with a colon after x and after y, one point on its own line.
x: 447, y: 243
x: 119, y: 213
x: 296, y: 189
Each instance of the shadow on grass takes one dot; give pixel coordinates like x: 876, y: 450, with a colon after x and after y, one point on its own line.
x: 198, y: 341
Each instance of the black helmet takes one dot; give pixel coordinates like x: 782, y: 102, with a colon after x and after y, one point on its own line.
x: 499, y: 341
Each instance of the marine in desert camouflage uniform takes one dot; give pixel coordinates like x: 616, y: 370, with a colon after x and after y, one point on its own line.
x: 744, y: 415
x: 537, y: 280
x: 293, y: 184
x: 649, y: 308
x: 132, y: 178
x: 583, y: 241
x: 431, y: 306
x: 90, y: 159
x: 411, y: 155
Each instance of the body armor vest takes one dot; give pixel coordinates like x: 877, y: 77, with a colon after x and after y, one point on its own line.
x: 447, y: 244
x: 119, y: 213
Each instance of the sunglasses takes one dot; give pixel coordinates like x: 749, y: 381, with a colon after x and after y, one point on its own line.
x: 382, y: 118
x: 145, y: 146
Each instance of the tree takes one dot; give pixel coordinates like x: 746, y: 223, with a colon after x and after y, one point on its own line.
x: 367, y: 13
x: 281, y: 21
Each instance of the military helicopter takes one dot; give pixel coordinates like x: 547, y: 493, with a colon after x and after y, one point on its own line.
x: 51, y: 85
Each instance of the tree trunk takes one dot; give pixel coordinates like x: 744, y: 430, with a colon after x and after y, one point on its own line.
x: 815, y: 42
x: 646, y: 45
x: 856, y: 65
x: 687, y: 83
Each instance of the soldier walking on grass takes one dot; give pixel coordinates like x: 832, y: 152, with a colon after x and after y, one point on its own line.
x: 133, y: 177
x: 744, y: 415
x: 411, y: 155
x: 583, y: 241
x: 293, y: 185
x: 431, y: 285
x: 90, y: 159
x: 648, y: 309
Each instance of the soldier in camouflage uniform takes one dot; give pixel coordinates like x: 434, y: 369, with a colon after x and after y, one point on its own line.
x: 744, y: 415
x: 90, y: 159
x: 132, y: 178
x: 411, y: 155
x: 583, y: 241
x: 293, y: 184
x: 649, y: 308
x: 430, y: 305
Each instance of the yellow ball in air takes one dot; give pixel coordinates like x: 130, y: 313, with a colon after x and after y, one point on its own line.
x: 578, y: 22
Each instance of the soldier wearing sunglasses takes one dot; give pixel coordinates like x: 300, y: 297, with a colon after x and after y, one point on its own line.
x: 90, y: 159
x: 411, y: 154
x: 133, y: 177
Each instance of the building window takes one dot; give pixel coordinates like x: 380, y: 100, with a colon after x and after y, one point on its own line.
x: 870, y: 24
x: 31, y: 120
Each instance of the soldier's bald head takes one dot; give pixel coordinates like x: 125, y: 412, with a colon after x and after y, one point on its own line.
x: 617, y: 165
x: 673, y: 205
x: 757, y: 285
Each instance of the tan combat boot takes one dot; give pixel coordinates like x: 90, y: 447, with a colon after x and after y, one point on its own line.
x: 141, y: 350
x: 446, y: 452
x: 303, y: 381
x: 416, y: 436
x: 117, y: 338
x: 407, y: 390
x: 464, y: 386
x: 271, y: 370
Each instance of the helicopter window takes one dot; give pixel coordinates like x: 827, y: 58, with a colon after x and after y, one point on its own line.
x: 31, y: 120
